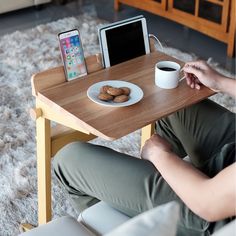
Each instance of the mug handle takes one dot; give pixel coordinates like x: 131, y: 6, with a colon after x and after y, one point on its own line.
x: 184, y: 77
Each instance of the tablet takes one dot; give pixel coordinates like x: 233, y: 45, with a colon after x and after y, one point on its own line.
x: 123, y: 40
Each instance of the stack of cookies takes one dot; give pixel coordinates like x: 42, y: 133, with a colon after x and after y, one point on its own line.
x: 114, y: 94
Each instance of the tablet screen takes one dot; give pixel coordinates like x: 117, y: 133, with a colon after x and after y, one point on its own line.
x: 125, y: 43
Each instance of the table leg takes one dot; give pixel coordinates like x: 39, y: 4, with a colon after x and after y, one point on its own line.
x: 26, y: 227
x: 44, y: 169
x: 232, y: 29
x: 116, y: 5
x: 147, y: 132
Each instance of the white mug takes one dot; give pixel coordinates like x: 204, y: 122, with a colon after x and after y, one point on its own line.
x: 167, y: 74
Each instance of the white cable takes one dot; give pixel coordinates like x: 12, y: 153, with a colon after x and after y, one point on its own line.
x: 157, y: 41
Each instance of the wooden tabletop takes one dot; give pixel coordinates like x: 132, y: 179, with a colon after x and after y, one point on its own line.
x: 70, y: 99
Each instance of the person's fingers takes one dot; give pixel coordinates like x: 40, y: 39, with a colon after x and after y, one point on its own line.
x: 193, y: 82
x: 188, y: 76
x: 188, y: 80
x: 192, y: 73
x: 200, y: 64
x: 197, y: 86
x: 193, y: 70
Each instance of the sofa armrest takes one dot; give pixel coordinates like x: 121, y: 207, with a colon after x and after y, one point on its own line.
x: 102, y: 218
x: 38, y: 2
x: 64, y: 226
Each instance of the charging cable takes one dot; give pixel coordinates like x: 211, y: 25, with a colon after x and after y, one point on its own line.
x: 157, y: 41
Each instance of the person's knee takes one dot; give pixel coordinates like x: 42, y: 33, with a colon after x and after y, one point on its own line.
x: 67, y: 156
x: 168, y: 122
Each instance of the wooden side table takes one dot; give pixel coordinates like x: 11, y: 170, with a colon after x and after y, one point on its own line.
x: 81, y: 119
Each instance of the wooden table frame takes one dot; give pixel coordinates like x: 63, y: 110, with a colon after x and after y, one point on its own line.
x: 51, y: 139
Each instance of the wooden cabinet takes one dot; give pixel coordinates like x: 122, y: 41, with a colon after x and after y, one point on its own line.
x: 215, y: 18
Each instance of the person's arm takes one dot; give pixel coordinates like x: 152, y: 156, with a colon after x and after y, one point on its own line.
x: 227, y: 85
x: 211, y: 198
x: 199, y: 72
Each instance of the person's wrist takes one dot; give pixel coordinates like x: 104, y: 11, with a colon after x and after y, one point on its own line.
x: 221, y: 83
x: 160, y: 154
x: 162, y: 160
x: 216, y: 83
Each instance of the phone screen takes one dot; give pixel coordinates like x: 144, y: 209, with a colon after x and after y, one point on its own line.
x: 72, y: 54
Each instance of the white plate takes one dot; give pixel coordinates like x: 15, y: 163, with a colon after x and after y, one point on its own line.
x: 136, y: 93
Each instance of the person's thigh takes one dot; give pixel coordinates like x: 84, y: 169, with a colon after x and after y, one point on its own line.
x: 199, y: 131
x: 90, y: 172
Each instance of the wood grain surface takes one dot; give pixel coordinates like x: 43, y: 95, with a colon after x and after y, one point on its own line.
x: 70, y: 99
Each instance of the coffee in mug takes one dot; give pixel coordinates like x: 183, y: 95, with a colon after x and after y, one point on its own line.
x: 167, y: 68
x: 167, y: 74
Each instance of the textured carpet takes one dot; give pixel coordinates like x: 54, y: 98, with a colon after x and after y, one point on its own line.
x: 21, y: 55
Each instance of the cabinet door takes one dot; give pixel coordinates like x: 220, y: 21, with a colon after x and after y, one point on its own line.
x: 216, y: 11
x: 187, y: 6
x: 208, y: 13
x: 161, y: 3
x: 154, y: 6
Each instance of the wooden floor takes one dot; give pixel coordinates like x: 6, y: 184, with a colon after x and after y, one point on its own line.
x: 172, y: 34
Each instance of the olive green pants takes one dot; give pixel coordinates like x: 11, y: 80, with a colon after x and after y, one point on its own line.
x: 205, y: 132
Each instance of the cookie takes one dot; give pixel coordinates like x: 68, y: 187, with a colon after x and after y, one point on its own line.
x: 126, y: 90
x: 104, y: 88
x: 121, y: 98
x: 114, y: 91
x: 105, y: 97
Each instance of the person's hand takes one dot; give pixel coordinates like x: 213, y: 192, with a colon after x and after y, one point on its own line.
x: 199, y: 72
x: 154, y: 147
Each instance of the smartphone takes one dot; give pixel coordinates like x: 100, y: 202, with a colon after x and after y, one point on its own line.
x: 72, y: 54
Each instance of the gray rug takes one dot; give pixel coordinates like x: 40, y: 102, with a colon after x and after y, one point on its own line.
x: 21, y: 55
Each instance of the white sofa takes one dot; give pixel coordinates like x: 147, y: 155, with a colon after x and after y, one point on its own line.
x: 101, y: 219
x: 11, y: 5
